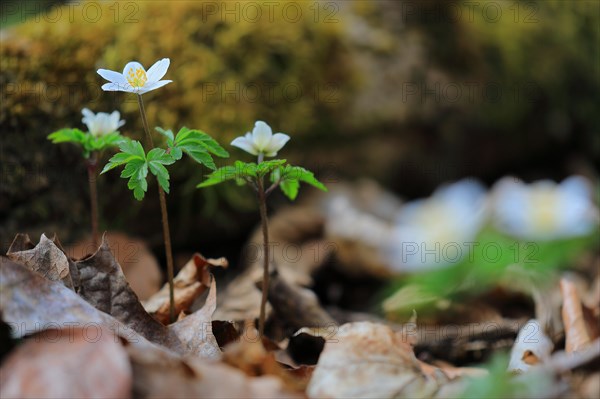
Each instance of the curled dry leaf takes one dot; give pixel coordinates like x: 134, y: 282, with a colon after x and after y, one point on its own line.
x: 137, y: 261
x: 191, y: 281
x: 371, y: 360
x: 195, y: 330
x: 576, y: 333
x: 531, y: 347
x: 45, y: 258
x: 30, y: 303
x: 103, y: 285
x: 68, y: 363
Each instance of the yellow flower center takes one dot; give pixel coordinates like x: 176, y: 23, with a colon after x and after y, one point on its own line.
x: 137, y: 77
x: 545, y: 207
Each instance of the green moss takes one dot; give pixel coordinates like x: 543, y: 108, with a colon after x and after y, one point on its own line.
x: 226, y: 75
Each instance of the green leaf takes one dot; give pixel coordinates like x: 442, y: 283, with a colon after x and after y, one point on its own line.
x: 67, y: 135
x: 199, y: 146
x: 159, y: 155
x: 239, y: 171
x: 162, y: 175
x: 132, y: 147
x: 187, y: 136
x: 290, y: 188
x: 268, y: 166
x: 138, y: 163
x: 200, y: 156
x: 303, y: 175
x: 167, y: 133
x: 176, y: 153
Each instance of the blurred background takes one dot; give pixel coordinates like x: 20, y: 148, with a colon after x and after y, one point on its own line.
x: 407, y: 93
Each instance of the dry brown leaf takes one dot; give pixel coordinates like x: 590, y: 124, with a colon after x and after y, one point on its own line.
x: 68, y: 363
x: 139, y: 265
x: 30, y: 303
x: 191, y: 281
x: 576, y: 333
x: 371, y: 360
x: 195, y: 331
x: 158, y: 374
x: 45, y: 258
x: 103, y: 285
x: 532, y: 347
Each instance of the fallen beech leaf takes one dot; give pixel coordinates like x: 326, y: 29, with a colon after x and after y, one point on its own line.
x: 531, y: 347
x: 139, y: 265
x: 104, y: 286
x: 30, y: 303
x: 576, y: 333
x: 69, y: 363
x: 191, y: 281
x: 45, y: 258
x: 370, y: 360
x: 195, y: 331
x: 163, y: 375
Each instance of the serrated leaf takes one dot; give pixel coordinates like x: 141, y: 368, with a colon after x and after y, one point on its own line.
x: 176, y: 153
x: 193, y: 137
x: 303, y: 175
x: 160, y: 156
x: 201, y: 157
x: 268, y: 166
x: 290, y: 188
x: 161, y: 173
x: 67, y: 135
x: 167, y: 133
x: 132, y: 147
x: 218, y: 176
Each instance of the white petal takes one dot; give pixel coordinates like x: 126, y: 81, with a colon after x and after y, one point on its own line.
x: 261, y: 135
x: 158, y: 70
x: 112, y: 76
x: 277, y: 142
x: 114, y: 120
x: 118, y: 87
x: 244, y: 144
x: 153, y: 86
x: 88, y: 115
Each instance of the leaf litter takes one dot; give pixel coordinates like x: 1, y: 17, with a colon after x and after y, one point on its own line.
x: 314, y: 349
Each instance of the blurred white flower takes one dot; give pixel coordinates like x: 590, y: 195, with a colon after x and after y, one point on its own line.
x: 544, y: 210
x: 438, y: 231
x: 135, y: 79
x: 101, y: 123
x: 261, y: 140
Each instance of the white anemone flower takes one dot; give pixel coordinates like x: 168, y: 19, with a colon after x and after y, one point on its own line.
x: 101, y: 123
x: 438, y: 231
x: 261, y: 140
x: 135, y: 79
x: 544, y: 210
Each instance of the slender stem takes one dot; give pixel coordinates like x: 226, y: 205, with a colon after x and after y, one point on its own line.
x: 91, y: 170
x: 165, y: 221
x: 145, y: 121
x: 262, y: 203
